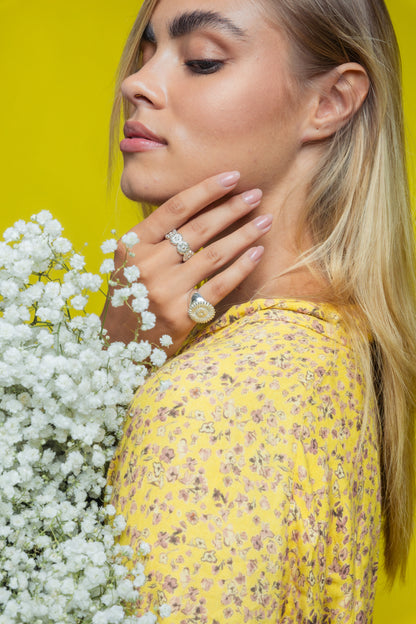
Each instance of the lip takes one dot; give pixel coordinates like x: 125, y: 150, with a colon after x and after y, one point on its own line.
x: 139, y: 138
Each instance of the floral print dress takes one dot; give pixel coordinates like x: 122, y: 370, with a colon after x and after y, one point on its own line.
x: 240, y: 465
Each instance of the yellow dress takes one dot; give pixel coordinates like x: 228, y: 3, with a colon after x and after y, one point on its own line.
x: 240, y: 466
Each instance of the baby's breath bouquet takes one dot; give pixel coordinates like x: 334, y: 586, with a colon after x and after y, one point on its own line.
x: 64, y: 390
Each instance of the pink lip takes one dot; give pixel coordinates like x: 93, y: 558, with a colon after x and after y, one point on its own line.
x: 139, y: 138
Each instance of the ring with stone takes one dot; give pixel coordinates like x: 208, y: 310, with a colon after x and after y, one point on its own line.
x: 200, y: 310
x: 182, y: 247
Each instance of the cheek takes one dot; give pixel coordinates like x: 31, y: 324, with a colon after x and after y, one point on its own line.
x: 235, y: 112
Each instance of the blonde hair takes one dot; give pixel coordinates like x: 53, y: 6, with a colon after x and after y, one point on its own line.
x: 359, y: 216
x: 129, y: 63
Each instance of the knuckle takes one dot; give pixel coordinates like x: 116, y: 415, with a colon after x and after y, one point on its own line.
x: 237, y: 203
x: 209, y: 185
x: 175, y: 206
x: 196, y: 227
x: 120, y: 253
x: 250, y: 232
x: 157, y: 296
x: 213, y: 255
x: 244, y: 267
x: 219, y: 289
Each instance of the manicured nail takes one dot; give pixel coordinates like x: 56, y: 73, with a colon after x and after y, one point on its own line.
x: 253, y: 197
x: 263, y: 222
x: 256, y: 253
x: 229, y: 179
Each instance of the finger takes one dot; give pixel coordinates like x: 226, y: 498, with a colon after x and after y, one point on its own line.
x: 215, y: 256
x: 180, y: 208
x: 208, y: 225
x: 218, y: 287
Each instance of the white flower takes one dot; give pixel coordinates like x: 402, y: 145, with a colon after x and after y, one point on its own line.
x: 144, y: 548
x: 120, y: 296
x: 22, y: 269
x: 132, y: 273
x: 63, y: 395
x: 79, y: 302
x: 62, y: 245
x: 68, y: 586
x: 77, y: 262
x: 90, y: 282
x: 126, y: 590
x: 53, y: 228
x: 42, y: 217
x: 107, y: 266
x: 11, y: 234
x: 138, y: 569
x: 166, y: 341
x: 119, y: 524
x: 130, y: 239
x: 94, y: 576
x: 148, y: 320
x: 4, y: 595
x: 165, y: 385
x: 140, y: 306
x: 34, y: 293
x: 113, y: 615
x: 109, y: 246
x: 110, y: 510
x: 8, y: 288
x: 165, y: 611
x: 139, y: 290
x: 139, y: 580
x: 73, y: 463
x: 158, y: 357
x: 69, y: 289
x: 148, y: 618
x: 14, y: 314
x: 49, y: 314
x: 139, y: 351
x: 98, y: 458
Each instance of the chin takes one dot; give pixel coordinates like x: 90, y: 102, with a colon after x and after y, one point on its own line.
x: 155, y: 185
x: 149, y: 191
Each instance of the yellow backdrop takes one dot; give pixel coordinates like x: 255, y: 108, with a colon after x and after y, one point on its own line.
x: 58, y: 61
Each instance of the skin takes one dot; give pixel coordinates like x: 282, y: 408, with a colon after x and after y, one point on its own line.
x: 239, y: 117
x: 248, y: 114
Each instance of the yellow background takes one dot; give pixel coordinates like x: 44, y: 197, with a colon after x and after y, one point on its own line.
x: 58, y: 61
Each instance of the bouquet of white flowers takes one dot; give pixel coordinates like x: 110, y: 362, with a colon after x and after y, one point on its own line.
x: 64, y: 390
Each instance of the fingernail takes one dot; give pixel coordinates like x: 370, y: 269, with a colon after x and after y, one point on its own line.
x: 263, y: 222
x: 256, y: 253
x: 253, y: 197
x: 228, y: 179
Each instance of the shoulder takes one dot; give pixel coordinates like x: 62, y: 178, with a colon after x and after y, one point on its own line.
x: 293, y: 358
x: 274, y: 336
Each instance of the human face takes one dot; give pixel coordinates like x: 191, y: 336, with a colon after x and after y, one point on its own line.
x: 216, y: 89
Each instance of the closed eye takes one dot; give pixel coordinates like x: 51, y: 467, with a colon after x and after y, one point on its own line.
x: 204, y: 66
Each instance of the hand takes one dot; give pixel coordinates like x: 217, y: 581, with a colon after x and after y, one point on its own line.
x: 169, y: 280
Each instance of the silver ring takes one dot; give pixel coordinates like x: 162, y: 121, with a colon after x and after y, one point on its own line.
x: 200, y: 310
x: 182, y: 247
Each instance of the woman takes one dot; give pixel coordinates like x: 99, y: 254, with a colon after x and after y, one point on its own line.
x: 260, y: 461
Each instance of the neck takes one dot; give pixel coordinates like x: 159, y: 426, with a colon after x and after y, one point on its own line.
x: 274, y: 276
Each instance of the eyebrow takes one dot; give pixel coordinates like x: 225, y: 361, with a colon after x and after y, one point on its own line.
x: 189, y: 22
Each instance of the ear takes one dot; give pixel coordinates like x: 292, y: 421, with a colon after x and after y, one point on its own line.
x: 338, y: 95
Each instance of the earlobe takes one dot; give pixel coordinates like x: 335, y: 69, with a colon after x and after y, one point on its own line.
x: 339, y: 95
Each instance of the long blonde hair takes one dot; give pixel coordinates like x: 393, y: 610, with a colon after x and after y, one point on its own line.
x: 359, y: 216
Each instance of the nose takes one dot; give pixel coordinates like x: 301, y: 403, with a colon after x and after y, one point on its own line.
x: 145, y: 87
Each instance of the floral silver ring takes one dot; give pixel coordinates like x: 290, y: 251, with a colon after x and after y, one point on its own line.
x: 200, y: 310
x: 182, y: 247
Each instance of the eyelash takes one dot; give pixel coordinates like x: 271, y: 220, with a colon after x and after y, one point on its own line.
x: 204, y: 66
